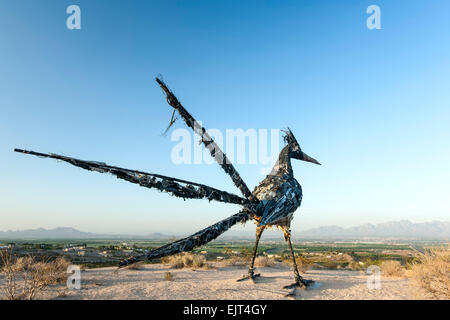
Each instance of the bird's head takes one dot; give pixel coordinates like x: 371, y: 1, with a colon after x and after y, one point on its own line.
x: 295, y: 151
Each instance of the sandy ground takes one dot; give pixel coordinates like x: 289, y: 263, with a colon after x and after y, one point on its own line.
x: 220, y: 283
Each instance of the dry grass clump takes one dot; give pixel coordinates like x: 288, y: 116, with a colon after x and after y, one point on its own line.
x: 344, y: 257
x: 355, y: 265
x: 303, y: 264
x: 61, y: 293
x: 59, y: 269
x: 175, y: 261
x: 236, y: 261
x: 186, y: 260
x: 431, y: 273
x: 168, y: 276
x: 263, y: 261
x: 392, y: 268
x: 26, y: 277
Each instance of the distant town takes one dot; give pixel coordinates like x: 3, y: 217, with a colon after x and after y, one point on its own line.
x: 329, y: 246
x: 101, y: 253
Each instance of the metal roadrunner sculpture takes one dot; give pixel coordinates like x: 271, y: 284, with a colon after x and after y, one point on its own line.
x: 272, y: 203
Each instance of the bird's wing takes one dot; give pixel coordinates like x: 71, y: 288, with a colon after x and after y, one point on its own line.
x: 279, y: 208
x: 187, y: 244
x: 206, y: 139
x: 272, y: 210
x: 176, y: 187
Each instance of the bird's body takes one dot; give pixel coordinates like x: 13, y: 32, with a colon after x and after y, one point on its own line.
x: 279, y: 198
x: 279, y: 195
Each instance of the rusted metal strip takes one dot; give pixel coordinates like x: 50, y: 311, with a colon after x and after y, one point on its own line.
x: 187, y: 244
x: 176, y: 187
x: 206, y: 139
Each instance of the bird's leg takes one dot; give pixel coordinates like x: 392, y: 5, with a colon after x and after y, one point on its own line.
x: 251, y: 271
x: 299, y: 281
x: 259, y: 231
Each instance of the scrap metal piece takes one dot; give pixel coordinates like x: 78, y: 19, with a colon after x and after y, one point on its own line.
x: 176, y: 187
x: 187, y: 244
x: 206, y: 139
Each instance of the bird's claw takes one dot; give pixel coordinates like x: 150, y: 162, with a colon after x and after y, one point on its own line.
x: 247, y: 277
x: 299, y: 283
x: 250, y: 276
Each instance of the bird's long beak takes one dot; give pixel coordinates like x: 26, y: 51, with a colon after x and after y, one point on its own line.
x: 305, y: 157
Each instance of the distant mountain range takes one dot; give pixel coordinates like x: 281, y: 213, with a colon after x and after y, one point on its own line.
x: 404, y: 229
x: 71, y: 233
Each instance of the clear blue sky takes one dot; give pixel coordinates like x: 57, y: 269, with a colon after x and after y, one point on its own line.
x: 372, y: 105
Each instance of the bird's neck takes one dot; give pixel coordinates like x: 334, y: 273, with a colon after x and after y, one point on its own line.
x: 283, y: 164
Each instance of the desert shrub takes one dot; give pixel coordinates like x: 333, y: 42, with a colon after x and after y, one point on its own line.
x: 236, y: 261
x: 355, y: 265
x: 174, y: 262
x: 430, y: 274
x: 303, y: 264
x: 168, y: 276
x: 262, y: 261
x: 331, y: 265
x: 60, y: 265
x: 247, y: 254
x: 392, y: 268
x: 199, y: 261
x: 371, y: 262
x: 26, y: 277
x: 345, y: 257
x: 186, y: 260
x: 11, y: 271
x: 61, y: 293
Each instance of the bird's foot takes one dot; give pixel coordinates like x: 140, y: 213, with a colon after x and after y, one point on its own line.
x: 247, y: 277
x: 250, y: 276
x: 299, y: 283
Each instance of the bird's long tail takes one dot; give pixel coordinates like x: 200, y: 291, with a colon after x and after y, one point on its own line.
x: 187, y: 244
x: 176, y: 187
x: 206, y: 139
